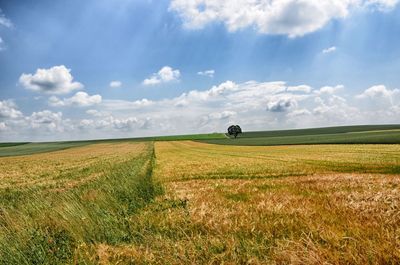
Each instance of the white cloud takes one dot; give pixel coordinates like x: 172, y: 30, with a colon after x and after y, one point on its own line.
x: 209, y: 73
x: 2, y: 45
x: 281, y: 103
x: 115, y: 84
x: 166, y: 74
x: 8, y: 109
x: 254, y: 105
x: 329, y: 90
x: 80, y: 99
x: 289, y: 17
x: 379, y: 91
x: 55, y: 80
x: 329, y: 50
x: 109, y: 122
x: 5, y: 21
x: 3, y: 126
x: 116, y: 104
x: 301, y: 88
x: 382, y: 5
x: 46, y: 120
x: 95, y: 113
x: 298, y: 112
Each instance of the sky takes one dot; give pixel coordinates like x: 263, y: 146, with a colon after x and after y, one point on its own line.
x: 96, y: 69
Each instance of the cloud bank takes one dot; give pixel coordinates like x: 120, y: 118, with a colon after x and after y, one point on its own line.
x: 254, y: 105
x: 287, y: 17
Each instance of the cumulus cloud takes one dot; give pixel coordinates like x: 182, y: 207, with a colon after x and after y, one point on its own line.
x: 254, y: 105
x: 281, y: 103
x: 115, y: 84
x: 329, y: 50
x: 380, y: 96
x: 209, y: 73
x: 289, y: 17
x: 379, y: 91
x: 8, y: 109
x: 45, y: 117
x: 80, y: 99
x: 55, y: 80
x: 166, y: 74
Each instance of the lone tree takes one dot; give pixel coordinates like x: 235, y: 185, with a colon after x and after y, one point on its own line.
x: 234, y: 130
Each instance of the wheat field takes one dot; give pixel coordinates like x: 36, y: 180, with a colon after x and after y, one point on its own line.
x: 185, y: 202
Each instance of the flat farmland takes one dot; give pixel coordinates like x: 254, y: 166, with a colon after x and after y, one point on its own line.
x: 60, y: 207
x: 333, y: 204
x: 187, y: 202
x: 184, y: 160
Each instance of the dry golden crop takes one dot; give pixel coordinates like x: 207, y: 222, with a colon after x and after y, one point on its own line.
x: 317, y: 204
x: 324, y: 204
x: 64, y: 168
x: 185, y: 160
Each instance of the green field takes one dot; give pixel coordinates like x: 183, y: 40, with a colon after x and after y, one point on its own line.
x: 323, y: 130
x: 33, y: 148
x: 368, y: 134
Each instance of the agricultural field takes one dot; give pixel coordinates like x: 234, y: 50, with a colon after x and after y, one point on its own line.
x: 191, y: 202
x: 60, y: 207
x: 334, y: 204
x: 361, y: 134
x: 27, y: 148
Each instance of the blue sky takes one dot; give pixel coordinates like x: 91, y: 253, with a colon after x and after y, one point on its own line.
x: 266, y: 64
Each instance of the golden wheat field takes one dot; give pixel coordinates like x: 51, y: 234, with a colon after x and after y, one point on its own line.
x: 185, y: 202
x: 61, y: 169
